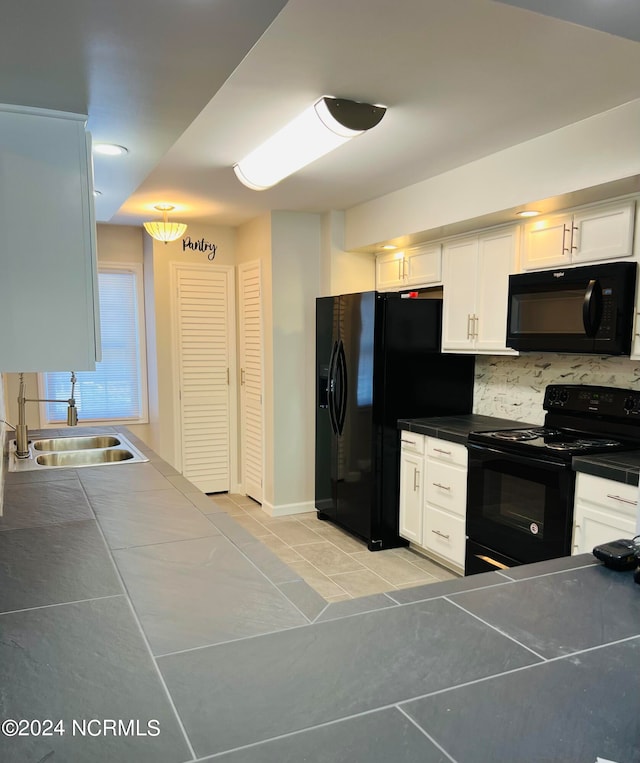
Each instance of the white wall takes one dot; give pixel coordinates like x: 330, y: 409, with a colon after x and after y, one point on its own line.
x: 288, y: 244
x: 594, y: 151
x: 295, y: 285
x: 342, y: 272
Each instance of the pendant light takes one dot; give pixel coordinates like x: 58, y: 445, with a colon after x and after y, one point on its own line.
x: 164, y: 230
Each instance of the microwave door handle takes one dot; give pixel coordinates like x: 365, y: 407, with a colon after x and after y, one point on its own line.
x: 592, y: 307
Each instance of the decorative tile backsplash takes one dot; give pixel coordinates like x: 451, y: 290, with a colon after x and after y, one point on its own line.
x: 513, y: 387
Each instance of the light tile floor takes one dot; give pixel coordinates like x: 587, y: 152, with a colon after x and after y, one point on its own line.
x: 336, y: 564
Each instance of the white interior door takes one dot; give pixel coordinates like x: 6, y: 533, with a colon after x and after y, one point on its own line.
x: 250, y: 340
x: 203, y: 350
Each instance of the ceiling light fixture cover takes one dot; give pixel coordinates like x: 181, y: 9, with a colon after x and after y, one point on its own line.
x: 109, y: 149
x: 164, y: 230
x: 325, y: 125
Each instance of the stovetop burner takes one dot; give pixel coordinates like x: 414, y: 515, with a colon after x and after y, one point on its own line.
x: 551, y: 439
x: 516, y: 435
x: 580, y: 420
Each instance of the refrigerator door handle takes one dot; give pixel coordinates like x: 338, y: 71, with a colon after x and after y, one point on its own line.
x: 331, y: 388
x: 342, y: 370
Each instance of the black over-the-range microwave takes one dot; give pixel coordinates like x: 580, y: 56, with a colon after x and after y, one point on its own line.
x: 584, y: 310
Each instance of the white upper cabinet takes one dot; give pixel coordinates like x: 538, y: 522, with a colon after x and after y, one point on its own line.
x: 476, y: 280
x: 592, y: 234
x: 389, y: 271
x: 48, y: 288
x: 415, y: 267
x: 460, y: 272
x: 423, y: 265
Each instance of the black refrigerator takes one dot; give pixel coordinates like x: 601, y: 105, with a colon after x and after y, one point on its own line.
x: 378, y: 360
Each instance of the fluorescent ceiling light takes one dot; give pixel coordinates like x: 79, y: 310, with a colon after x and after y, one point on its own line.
x: 325, y: 125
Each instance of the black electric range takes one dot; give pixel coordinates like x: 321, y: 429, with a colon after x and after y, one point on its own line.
x: 521, y: 484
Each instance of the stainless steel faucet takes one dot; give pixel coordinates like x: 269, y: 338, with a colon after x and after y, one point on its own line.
x: 22, y: 434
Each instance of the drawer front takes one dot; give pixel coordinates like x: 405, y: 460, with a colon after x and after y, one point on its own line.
x: 615, y: 496
x: 412, y: 442
x: 445, y: 535
x: 447, y: 452
x: 446, y: 486
x: 594, y: 526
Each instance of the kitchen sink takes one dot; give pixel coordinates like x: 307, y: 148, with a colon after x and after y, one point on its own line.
x: 76, y: 452
x: 76, y: 443
x: 84, y: 457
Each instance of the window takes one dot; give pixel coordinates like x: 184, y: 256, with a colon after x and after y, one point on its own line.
x: 117, y: 389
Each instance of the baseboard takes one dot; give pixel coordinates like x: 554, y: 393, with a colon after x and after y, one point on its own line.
x: 287, y: 509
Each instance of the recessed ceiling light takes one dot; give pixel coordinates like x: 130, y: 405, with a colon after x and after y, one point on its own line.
x: 389, y: 246
x: 109, y: 149
x: 528, y: 213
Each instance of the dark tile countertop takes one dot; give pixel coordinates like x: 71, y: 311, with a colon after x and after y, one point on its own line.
x: 127, y: 594
x: 620, y: 467
x: 457, y: 428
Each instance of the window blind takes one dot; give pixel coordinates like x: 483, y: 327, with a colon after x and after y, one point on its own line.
x: 115, y: 389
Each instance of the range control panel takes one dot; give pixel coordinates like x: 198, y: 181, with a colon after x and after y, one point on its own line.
x: 583, y: 398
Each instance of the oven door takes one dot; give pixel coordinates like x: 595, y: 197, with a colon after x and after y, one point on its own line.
x: 518, y: 506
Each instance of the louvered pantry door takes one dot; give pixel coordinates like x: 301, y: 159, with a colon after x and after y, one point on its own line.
x: 250, y: 310
x: 203, y: 352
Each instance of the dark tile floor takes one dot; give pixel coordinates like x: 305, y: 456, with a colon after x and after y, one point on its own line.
x: 130, y: 601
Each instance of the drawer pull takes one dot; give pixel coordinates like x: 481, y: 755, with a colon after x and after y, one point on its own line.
x: 416, y: 479
x: 442, y: 535
x: 444, y: 487
x: 446, y: 452
x: 622, y: 500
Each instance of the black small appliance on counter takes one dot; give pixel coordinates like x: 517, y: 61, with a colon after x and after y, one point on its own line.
x: 520, y: 486
x: 378, y: 360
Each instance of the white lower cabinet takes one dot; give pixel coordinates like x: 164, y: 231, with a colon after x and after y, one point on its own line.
x: 411, y: 490
x: 604, y: 510
x: 433, y: 496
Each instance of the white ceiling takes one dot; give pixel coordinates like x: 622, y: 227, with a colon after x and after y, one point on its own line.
x: 191, y: 87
